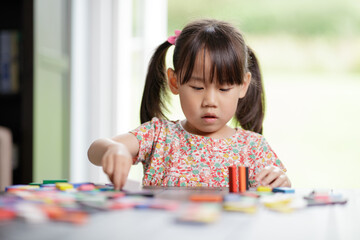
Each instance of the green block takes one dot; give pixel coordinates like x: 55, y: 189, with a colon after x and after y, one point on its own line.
x: 54, y: 181
x: 35, y: 184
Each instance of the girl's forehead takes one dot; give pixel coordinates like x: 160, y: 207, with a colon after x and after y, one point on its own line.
x: 202, y: 68
x: 203, y: 62
x: 213, y: 65
x: 205, y: 69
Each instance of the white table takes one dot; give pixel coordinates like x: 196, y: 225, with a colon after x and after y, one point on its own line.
x: 320, y: 223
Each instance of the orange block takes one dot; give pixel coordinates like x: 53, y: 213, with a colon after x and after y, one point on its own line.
x: 206, y: 198
x: 242, y: 179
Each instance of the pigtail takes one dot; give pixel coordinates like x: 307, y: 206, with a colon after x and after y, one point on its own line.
x: 154, y: 95
x: 251, y: 109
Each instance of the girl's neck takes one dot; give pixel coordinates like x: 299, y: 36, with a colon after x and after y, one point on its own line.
x: 225, y: 132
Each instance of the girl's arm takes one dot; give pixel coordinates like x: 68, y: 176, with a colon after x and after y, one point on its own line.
x: 115, y: 155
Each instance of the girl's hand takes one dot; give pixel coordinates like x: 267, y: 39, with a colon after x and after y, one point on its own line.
x: 273, y: 176
x: 116, y: 163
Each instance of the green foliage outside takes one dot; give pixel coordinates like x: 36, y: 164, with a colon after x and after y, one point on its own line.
x: 309, y: 52
x: 267, y: 17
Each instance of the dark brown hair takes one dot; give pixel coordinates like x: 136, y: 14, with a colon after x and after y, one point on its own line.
x: 230, y: 60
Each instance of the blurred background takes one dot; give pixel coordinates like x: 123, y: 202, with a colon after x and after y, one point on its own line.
x: 82, y: 65
x: 309, y: 54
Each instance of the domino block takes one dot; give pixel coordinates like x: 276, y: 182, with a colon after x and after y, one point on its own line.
x: 54, y: 181
x: 206, y: 198
x: 63, y: 186
x: 264, y: 189
x: 233, y: 187
x: 283, y: 190
x: 238, y: 179
x: 243, y: 178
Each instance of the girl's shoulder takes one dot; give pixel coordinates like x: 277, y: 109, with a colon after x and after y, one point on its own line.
x: 163, y: 122
x: 156, y: 128
x: 247, y: 136
x: 160, y: 124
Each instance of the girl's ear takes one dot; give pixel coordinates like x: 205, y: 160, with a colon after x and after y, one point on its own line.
x: 172, y: 80
x: 245, y: 85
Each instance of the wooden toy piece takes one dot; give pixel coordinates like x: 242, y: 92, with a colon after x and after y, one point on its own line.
x: 74, y: 217
x: 206, y: 198
x: 20, y: 187
x: 283, y: 190
x: 54, y: 181
x: 143, y: 193
x: 233, y: 187
x: 243, y: 181
x: 35, y: 184
x: 53, y: 211
x: 164, y: 204
x: 86, y: 187
x: 200, y: 213
x: 77, y: 185
x: 240, y: 207
x: 282, y: 203
x: 247, y: 178
x: 63, y: 186
x: 121, y: 205
x: 6, y: 214
x: 250, y: 194
x: 264, y: 189
x: 321, y: 197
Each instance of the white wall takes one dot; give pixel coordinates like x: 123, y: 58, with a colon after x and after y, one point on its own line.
x: 108, y: 39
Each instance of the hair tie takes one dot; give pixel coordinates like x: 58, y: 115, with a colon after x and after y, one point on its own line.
x: 172, y: 39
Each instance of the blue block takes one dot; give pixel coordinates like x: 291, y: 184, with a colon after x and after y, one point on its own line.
x: 76, y: 185
x: 283, y: 190
x: 231, y: 197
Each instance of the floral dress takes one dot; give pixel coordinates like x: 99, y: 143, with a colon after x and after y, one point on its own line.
x: 171, y: 156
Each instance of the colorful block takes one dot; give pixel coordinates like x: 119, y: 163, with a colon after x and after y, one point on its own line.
x: 6, y: 214
x: 35, y: 184
x: 238, y: 179
x: 203, y: 213
x: 250, y: 194
x: 206, y: 198
x: 63, y: 186
x: 86, y: 187
x: 264, y: 189
x: 15, y: 188
x: 233, y: 187
x: 54, y: 181
x: 240, y: 206
x: 283, y: 190
x: 243, y: 178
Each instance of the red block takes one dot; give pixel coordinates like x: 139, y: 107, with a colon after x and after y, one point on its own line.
x: 233, y: 186
x: 6, y: 214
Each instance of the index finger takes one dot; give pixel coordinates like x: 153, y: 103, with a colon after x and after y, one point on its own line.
x: 263, y: 173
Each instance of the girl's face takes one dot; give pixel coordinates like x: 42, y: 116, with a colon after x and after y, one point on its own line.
x: 207, y: 106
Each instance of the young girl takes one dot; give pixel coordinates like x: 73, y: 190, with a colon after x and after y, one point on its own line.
x: 217, y: 78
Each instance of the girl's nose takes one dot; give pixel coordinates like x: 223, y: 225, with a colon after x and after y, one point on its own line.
x: 209, y: 99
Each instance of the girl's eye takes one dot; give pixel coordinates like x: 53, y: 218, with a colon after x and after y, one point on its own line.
x: 225, y: 89
x: 197, y: 88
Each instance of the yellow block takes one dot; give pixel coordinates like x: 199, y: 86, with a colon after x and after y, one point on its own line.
x: 278, y: 203
x: 264, y: 189
x: 232, y: 208
x: 63, y: 186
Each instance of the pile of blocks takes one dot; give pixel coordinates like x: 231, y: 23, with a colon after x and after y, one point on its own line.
x: 58, y: 200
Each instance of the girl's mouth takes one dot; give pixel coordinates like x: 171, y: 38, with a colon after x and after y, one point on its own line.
x: 209, y: 118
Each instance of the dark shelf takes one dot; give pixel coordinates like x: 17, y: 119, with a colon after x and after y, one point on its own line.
x: 10, y: 106
x: 11, y: 14
x: 16, y: 110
